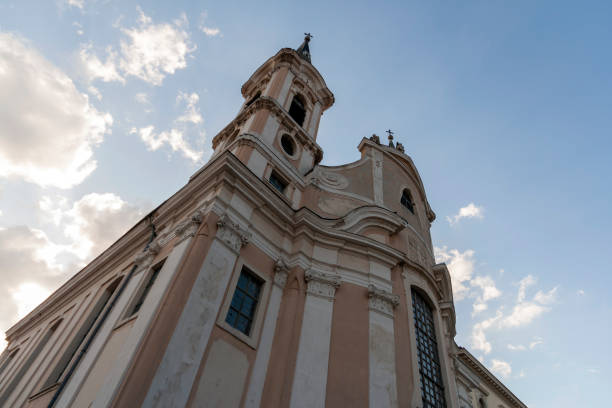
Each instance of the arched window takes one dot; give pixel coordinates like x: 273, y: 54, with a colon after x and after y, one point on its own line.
x: 298, y: 109
x: 406, y: 200
x: 432, y: 388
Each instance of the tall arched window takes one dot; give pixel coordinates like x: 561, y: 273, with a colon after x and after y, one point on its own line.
x: 406, y: 200
x: 432, y: 388
x: 298, y: 109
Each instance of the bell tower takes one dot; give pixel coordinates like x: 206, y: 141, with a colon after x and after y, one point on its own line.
x: 275, y: 131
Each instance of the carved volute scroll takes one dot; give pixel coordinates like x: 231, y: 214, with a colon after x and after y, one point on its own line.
x: 382, y: 301
x: 281, y: 272
x: 322, y: 284
x: 189, y: 227
x: 232, y: 234
x: 145, y: 258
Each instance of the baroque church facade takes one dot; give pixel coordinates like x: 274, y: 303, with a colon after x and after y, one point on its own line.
x: 268, y: 280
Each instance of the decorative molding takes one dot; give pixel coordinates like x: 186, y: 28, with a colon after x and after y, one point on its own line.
x: 322, y: 284
x: 231, y: 233
x: 189, y: 227
x: 382, y: 301
x: 330, y: 179
x: 281, y: 272
x: 145, y: 258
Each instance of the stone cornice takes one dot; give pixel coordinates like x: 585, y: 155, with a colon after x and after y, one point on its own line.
x: 469, y: 360
x: 382, y: 301
x: 228, y: 133
x: 322, y: 284
x: 287, y: 57
x: 404, y: 161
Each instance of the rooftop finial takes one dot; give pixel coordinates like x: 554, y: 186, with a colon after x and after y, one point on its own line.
x: 303, y: 49
x: 390, y: 133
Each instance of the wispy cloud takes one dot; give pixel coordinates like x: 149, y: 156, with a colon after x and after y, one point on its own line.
x: 208, y: 31
x: 501, y: 368
x: 148, y: 51
x: 469, y: 211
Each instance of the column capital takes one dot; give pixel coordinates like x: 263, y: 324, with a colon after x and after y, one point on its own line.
x: 281, y: 272
x: 382, y: 301
x: 322, y: 284
x: 231, y: 233
x: 145, y: 258
x: 188, y: 227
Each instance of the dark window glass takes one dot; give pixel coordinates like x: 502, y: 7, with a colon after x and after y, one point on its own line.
x: 287, y: 145
x: 276, y: 181
x: 242, y: 308
x: 253, y: 99
x: 406, y: 200
x: 432, y: 389
x: 146, y: 289
x: 297, y: 110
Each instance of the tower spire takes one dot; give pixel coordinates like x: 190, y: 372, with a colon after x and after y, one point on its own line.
x: 304, y: 49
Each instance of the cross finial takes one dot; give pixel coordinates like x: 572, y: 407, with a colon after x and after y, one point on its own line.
x: 308, y: 36
x: 390, y: 133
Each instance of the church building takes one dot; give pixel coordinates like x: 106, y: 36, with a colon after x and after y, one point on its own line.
x: 267, y: 280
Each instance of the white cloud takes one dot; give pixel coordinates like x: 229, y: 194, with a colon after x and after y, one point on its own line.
x: 32, y: 265
x: 460, y: 266
x: 76, y: 3
x: 92, y: 223
x: 79, y: 28
x: 48, y: 129
x: 142, y: 98
x: 96, y: 69
x: 469, y: 211
x: 174, y: 138
x: 153, y: 51
x: 593, y: 370
x: 580, y: 292
x: 537, y: 341
x: 488, y: 292
x: 518, y: 347
x: 523, y: 285
x: 94, y: 92
x: 478, y: 338
x: 149, y: 51
x: 523, y: 313
x: 192, y: 113
x: 209, y: 31
x: 501, y: 368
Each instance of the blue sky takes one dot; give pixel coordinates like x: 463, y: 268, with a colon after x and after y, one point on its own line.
x: 504, y: 108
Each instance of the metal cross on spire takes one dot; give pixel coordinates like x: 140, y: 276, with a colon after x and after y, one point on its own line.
x: 308, y: 36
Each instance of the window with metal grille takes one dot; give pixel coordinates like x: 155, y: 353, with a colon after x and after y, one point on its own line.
x: 244, y: 302
x: 406, y: 200
x: 432, y: 389
x: 277, y: 182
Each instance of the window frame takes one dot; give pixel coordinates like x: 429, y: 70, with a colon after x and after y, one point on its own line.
x: 251, y: 339
x: 412, y: 206
x: 129, y: 312
x: 439, y: 351
x: 279, y: 177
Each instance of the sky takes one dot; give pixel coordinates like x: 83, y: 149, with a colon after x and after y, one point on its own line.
x: 107, y: 107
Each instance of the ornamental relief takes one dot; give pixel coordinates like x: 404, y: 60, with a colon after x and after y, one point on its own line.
x: 382, y: 301
x: 231, y: 233
x: 322, y: 284
x: 330, y: 179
